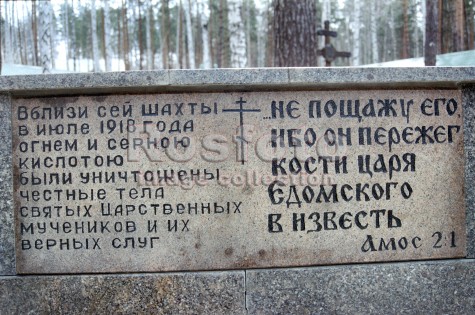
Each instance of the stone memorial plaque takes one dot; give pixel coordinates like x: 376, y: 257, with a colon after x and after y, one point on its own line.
x: 206, y: 181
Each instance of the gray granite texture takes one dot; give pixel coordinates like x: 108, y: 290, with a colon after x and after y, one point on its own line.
x: 440, y: 287
x: 468, y: 99
x: 7, y: 235
x: 384, y: 77
x: 435, y: 287
x: 188, y: 293
x: 235, y: 80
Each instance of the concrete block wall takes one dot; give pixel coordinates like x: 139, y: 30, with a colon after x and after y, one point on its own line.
x: 413, y: 287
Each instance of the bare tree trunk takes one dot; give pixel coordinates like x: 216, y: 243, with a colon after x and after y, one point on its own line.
x: 432, y: 27
x: 295, y: 36
x: 451, y: 25
x: 125, y: 36
x: 459, y: 25
x: 165, y: 34
x: 405, y: 32
x: 469, y: 25
x: 107, y: 37
x: 148, y: 35
x: 237, y: 36
x: 374, y: 31
x: 74, y: 47
x: 211, y: 28
x: 198, y: 42
x: 34, y: 27
x: 140, y: 36
x: 424, y: 13
x: 178, y: 36
x: 8, y: 38
x: 326, y: 14
x: 45, y: 36
x: 120, y: 45
x: 440, y: 39
x: 261, y: 25
x: 356, y: 33
x: 158, y: 30
x: 53, y: 39
x: 205, y: 17
x: 11, y: 33
x: 1, y: 50
x: 66, y: 32
x: 416, y: 31
x: 220, y: 49
x: 189, y: 35
x: 270, y: 36
x: 248, y: 32
x: 95, y: 48
x: 392, y: 28
x: 20, y: 36
x: 179, y: 39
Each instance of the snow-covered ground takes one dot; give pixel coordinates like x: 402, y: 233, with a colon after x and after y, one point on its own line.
x: 460, y: 59
x: 61, y: 65
x: 457, y: 59
x: 81, y: 65
x: 15, y: 69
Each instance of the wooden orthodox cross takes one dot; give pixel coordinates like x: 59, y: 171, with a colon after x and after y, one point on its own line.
x: 329, y: 52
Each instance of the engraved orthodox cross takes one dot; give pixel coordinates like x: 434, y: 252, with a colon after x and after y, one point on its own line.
x: 241, y: 112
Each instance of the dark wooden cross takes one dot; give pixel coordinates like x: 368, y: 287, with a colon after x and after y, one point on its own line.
x: 329, y: 52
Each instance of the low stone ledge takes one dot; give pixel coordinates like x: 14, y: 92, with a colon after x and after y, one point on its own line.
x: 257, y: 79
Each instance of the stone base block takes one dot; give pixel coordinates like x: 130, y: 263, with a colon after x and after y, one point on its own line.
x: 439, y: 287
x: 185, y: 293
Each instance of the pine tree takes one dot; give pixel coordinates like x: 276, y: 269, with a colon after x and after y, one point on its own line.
x: 431, y: 36
x: 295, y: 37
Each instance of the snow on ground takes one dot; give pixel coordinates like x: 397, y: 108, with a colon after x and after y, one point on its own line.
x: 458, y: 59
x: 15, y: 69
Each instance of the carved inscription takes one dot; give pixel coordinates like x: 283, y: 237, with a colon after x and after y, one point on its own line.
x: 205, y: 181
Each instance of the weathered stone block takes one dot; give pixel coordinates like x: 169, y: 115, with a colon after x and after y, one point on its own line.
x: 189, y: 293
x: 442, y: 287
x: 7, y: 234
x: 200, y: 181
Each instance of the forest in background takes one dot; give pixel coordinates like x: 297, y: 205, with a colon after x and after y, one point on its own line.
x: 183, y: 34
